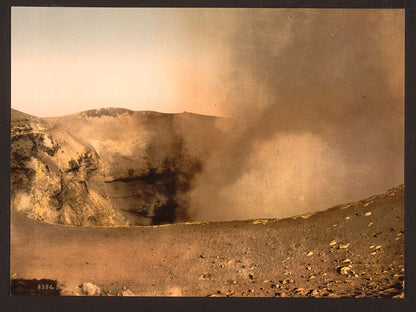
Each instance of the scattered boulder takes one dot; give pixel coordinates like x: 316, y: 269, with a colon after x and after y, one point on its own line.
x: 345, y: 270
x: 127, y: 293
x: 90, y: 289
x: 300, y: 291
x: 314, y: 293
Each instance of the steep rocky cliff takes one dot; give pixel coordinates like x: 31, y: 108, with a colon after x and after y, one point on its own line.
x: 105, y: 167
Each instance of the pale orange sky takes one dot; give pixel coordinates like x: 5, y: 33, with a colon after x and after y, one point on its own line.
x: 207, y: 61
x: 66, y: 60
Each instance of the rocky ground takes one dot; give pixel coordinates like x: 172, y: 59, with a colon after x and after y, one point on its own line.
x: 352, y: 250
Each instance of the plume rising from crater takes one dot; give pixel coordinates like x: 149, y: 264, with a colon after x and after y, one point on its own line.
x: 316, y: 99
x: 314, y: 106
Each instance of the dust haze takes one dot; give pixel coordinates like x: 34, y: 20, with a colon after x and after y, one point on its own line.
x: 315, y: 100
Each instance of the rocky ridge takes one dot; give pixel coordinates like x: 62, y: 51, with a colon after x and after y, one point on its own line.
x: 104, y: 167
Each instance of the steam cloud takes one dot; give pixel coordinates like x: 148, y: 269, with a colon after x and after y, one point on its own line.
x: 315, y: 100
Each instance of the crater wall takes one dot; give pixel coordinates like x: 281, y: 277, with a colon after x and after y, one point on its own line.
x: 106, y: 167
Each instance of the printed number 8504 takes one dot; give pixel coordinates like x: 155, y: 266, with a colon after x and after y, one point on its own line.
x: 45, y: 286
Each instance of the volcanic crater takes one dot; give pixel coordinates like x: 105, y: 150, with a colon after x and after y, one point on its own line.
x: 108, y: 190
x: 106, y: 167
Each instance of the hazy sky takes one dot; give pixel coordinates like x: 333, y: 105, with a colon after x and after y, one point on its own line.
x: 65, y: 60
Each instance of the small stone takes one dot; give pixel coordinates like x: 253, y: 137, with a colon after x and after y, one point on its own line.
x: 369, y: 203
x: 300, y: 291
x: 124, y: 288
x: 127, y: 293
x: 378, y: 247
x: 371, y: 247
x: 332, y: 243
x: 391, y: 290
x: 308, y: 268
x: 347, y: 218
x: 333, y: 295
x: 370, y: 224
x: 346, y: 270
x: 90, y: 289
x: 367, y: 214
x: 310, y: 253
x: 314, y: 293
x: 344, y: 246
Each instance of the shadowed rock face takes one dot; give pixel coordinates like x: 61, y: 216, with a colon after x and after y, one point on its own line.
x: 105, y: 167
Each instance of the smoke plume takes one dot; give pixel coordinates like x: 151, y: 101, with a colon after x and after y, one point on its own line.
x: 315, y: 106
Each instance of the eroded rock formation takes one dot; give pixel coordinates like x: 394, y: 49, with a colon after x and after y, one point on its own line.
x: 105, y: 167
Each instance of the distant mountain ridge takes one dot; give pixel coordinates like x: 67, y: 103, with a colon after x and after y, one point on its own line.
x: 109, y: 166
x: 113, y: 112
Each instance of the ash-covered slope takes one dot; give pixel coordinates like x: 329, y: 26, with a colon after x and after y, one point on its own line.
x: 107, y: 166
x: 351, y: 250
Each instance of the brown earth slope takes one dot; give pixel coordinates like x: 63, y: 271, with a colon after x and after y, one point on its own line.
x: 353, y: 250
